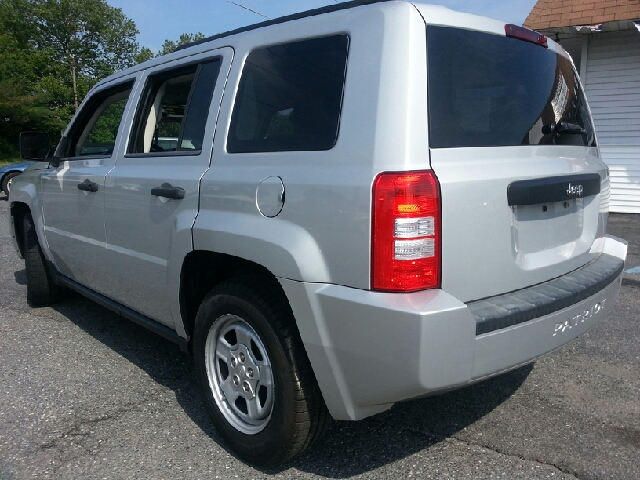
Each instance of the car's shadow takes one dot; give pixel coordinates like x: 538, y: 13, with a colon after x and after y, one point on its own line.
x: 353, y: 448
x: 20, y: 277
x: 349, y: 448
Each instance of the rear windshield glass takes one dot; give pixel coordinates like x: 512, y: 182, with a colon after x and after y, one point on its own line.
x: 489, y: 90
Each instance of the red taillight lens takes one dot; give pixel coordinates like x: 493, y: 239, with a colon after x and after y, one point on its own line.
x: 522, y: 33
x: 406, y: 232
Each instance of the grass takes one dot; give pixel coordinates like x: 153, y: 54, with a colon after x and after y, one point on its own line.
x: 7, y: 161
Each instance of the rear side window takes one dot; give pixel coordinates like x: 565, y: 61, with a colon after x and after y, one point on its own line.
x: 290, y: 97
x: 174, y: 110
x: 489, y: 90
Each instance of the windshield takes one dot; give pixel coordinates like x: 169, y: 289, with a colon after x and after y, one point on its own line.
x: 488, y: 90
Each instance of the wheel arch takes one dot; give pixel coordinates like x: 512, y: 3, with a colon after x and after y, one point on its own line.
x: 18, y: 211
x: 5, y: 174
x: 202, y: 270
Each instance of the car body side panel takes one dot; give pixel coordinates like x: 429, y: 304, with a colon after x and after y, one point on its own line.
x: 327, y: 193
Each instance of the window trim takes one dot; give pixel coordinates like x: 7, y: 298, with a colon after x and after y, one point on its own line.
x: 152, y: 84
x: 170, y: 153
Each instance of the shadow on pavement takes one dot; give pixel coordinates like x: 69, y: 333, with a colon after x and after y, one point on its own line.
x: 353, y: 448
x: 20, y: 277
x: 349, y: 448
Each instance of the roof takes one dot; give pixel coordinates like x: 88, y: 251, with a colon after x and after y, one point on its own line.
x: 288, y: 18
x: 566, y: 13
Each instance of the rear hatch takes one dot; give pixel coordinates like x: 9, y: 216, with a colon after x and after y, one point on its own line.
x: 513, y: 146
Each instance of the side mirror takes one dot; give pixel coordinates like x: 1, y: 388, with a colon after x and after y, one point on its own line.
x: 34, y: 146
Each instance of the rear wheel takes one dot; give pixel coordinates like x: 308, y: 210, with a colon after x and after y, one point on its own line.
x: 41, y: 290
x: 258, y: 383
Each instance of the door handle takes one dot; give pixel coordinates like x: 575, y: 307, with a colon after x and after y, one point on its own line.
x: 88, y: 186
x: 167, y: 190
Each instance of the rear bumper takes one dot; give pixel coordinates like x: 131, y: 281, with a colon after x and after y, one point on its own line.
x: 371, y: 349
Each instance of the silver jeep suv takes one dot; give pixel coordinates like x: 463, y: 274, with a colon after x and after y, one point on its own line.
x: 359, y: 205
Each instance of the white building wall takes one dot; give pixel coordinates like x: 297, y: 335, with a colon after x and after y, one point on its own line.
x: 573, y: 46
x: 613, y: 90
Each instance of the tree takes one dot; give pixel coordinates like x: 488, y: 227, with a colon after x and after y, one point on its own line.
x: 88, y: 37
x: 22, y: 112
x: 143, y: 55
x: 169, y: 46
x: 52, y: 52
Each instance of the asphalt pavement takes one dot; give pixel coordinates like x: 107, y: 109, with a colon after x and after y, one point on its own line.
x: 85, y: 394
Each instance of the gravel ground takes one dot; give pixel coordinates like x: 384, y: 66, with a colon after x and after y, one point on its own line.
x: 86, y: 394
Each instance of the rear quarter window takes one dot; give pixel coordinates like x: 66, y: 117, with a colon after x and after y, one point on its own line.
x: 290, y: 97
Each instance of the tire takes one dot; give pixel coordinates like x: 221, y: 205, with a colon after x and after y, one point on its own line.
x: 41, y: 290
x: 5, y: 181
x: 258, y: 383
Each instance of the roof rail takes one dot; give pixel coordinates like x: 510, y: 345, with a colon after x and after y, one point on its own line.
x: 287, y: 18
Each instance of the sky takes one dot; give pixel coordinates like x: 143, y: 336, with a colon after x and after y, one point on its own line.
x: 159, y: 20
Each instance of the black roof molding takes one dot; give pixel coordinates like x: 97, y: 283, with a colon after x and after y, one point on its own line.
x: 288, y: 18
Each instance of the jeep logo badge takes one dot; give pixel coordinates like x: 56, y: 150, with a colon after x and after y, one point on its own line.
x: 575, y: 190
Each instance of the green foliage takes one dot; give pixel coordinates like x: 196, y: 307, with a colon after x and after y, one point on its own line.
x: 86, y: 34
x: 22, y: 112
x: 105, y: 129
x: 9, y: 161
x: 143, y: 55
x: 51, y: 53
x: 169, y: 46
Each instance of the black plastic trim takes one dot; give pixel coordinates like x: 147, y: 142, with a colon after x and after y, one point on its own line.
x: 288, y: 18
x: 125, y: 312
x: 167, y: 153
x: 504, y: 311
x: 553, y: 189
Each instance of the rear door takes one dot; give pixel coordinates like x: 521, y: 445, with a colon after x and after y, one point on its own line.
x: 151, y: 195
x: 513, y: 145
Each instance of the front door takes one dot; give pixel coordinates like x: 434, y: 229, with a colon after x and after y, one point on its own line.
x: 73, y: 193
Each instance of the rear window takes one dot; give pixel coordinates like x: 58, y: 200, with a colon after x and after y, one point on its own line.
x: 488, y: 90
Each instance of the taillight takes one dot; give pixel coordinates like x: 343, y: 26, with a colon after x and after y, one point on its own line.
x: 522, y: 33
x: 406, y: 232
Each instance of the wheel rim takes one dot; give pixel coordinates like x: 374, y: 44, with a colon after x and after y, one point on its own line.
x: 240, y: 374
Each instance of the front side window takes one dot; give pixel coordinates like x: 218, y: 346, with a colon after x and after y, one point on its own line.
x: 290, y: 97
x: 95, y: 129
x: 488, y: 90
x: 175, y: 107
